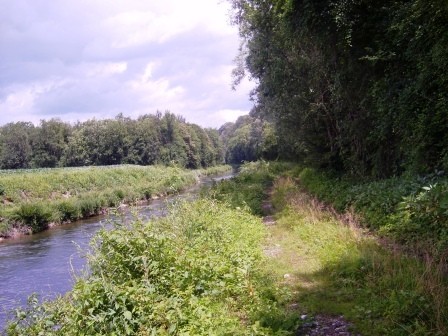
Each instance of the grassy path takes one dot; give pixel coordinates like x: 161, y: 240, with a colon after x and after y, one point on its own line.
x: 333, y: 272
x: 292, y: 261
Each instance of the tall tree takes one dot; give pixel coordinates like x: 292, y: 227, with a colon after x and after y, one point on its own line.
x: 358, y: 86
x: 48, y: 142
x: 15, y: 144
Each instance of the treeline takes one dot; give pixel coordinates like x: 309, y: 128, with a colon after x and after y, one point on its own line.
x: 150, y: 139
x: 354, y: 86
x: 248, y: 139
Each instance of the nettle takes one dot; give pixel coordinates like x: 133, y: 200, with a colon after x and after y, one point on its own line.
x: 427, y: 212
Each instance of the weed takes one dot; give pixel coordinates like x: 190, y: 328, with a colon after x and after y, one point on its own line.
x: 194, y: 272
x: 35, y: 215
x: 69, y: 211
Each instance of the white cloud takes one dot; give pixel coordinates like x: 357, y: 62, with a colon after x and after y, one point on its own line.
x: 230, y: 115
x: 95, y: 58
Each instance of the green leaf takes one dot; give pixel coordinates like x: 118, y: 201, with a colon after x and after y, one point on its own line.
x: 128, y: 315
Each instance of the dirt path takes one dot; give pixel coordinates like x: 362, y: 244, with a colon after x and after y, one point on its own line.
x: 278, y: 249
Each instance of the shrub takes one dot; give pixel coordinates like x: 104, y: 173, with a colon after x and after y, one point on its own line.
x: 35, y: 215
x: 426, y: 215
x: 69, y: 211
x: 90, y: 205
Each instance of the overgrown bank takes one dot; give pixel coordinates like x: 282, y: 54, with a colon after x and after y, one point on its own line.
x: 32, y: 199
x: 336, y: 268
x: 410, y: 209
x: 201, y: 271
x: 195, y: 272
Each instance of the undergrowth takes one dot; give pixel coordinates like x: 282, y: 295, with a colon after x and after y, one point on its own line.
x: 336, y: 268
x: 195, y: 272
x: 411, y: 209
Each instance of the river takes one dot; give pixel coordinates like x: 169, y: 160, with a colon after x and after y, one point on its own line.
x: 45, y: 263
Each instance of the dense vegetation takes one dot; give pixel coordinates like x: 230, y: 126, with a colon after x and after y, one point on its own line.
x: 411, y: 210
x: 32, y: 199
x: 334, y: 267
x: 354, y: 86
x: 201, y: 271
x: 151, y: 139
x: 337, y: 269
x: 195, y: 272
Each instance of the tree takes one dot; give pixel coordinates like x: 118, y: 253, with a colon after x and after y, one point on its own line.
x: 16, y: 145
x: 49, y: 141
x: 352, y: 86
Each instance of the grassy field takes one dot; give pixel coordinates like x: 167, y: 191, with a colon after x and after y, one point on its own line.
x: 32, y: 199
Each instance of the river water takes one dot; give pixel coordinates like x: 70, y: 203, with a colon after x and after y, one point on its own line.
x: 45, y: 263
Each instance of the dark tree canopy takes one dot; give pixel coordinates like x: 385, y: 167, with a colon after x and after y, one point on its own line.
x: 356, y: 86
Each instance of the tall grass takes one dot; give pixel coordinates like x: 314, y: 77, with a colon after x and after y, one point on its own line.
x: 34, y: 198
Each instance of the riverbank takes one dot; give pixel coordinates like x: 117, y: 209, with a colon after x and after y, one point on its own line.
x: 214, y: 266
x: 34, y: 200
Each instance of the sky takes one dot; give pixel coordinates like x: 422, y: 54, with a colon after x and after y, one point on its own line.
x: 83, y: 59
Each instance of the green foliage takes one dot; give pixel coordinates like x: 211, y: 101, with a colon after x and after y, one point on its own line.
x: 35, y: 215
x: 195, y: 272
x: 151, y: 139
x: 15, y: 147
x: 247, y: 188
x: 73, y: 193
x: 425, y: 215
x: 249, y: 139
x: 395, y: 206
x: 353, y: 86
x: 68, y: 211
x: 340, y: 270
x: 48, y: 143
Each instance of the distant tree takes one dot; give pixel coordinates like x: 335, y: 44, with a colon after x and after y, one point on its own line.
x: 217, y: 146
x: 249, y: 139
x: 15, y: 144
x: 113, y: 140
x: 151, y: 139
x: 48, y: 142
x: 174, y: 149
x: 145, y: 141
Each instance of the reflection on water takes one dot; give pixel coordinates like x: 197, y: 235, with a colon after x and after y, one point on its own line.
x: 46, y: 263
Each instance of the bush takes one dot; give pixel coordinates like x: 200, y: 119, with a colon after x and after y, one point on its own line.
x: 35, y: 215
x: 69, y: 211
x: 91, y: 205
x: 396, y: 206
x: 426, y: 215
